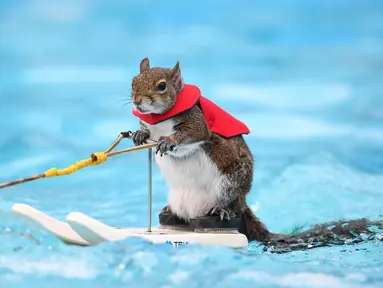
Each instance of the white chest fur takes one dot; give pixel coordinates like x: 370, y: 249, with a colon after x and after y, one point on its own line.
x: 164, y: 128
x: 194, y: 181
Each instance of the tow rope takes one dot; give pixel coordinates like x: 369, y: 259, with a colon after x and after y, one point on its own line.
x: 95, y: 159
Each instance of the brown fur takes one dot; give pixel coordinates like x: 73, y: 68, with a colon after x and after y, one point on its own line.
x: 144, y: 86
x: 326, y: 234
x: 231, y: 155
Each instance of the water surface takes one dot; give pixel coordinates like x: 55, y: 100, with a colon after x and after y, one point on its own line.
x: 305, y: 76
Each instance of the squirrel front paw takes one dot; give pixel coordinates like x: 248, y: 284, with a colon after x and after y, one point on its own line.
x: 165, y: 144
x: 140, y: 136
x: 223, y: 213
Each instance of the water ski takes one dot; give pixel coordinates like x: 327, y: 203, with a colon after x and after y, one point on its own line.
x: 81, y: 229
x: 84, y: 230
x: 95, y: 232
x: 56, y: 227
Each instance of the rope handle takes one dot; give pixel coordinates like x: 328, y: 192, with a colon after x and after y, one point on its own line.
x: 95, y: 159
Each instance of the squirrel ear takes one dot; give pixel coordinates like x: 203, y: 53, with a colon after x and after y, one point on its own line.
x: 176, y: 71
x: 144, y: 65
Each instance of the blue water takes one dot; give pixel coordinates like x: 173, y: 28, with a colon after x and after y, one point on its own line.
x: 306, y: 77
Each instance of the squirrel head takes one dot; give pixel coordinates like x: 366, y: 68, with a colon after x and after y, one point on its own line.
x: 155, y: 89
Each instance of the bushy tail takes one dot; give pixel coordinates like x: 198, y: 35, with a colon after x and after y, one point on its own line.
x: 343, y: 230
x: 252, y: 227
x: 331, y: 233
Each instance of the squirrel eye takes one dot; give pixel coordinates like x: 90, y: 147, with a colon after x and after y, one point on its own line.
x: 161, y: 87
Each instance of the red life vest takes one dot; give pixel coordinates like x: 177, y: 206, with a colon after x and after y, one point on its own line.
x: 217, y: 119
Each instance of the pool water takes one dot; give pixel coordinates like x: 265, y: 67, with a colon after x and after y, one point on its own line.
x: 305, y: 76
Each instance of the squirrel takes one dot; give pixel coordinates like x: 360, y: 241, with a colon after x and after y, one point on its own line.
x: 207, y: 174
x: 202, y: 155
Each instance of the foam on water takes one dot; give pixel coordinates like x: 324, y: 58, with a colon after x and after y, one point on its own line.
x: 304, y: 76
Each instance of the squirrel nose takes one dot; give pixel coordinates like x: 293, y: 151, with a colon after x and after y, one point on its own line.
x: 137, y: 102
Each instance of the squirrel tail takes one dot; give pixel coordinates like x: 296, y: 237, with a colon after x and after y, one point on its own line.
x: 320, y: 235
x: 325, y: 234
x: 252, y: 227
x: 343, y: 229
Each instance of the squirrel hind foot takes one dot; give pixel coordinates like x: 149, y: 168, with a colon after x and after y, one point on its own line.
x: 168, y: 218
x: 166, y: 209
x: 225, y: 214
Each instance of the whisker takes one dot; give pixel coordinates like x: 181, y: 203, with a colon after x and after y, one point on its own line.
x: 125, y: 99
x: 128, y: 101
x: 125, y: 104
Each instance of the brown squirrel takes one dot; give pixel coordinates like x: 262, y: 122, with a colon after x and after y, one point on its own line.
x: 206, y: 173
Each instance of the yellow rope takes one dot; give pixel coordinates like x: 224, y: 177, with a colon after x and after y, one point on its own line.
x: 95, y: 159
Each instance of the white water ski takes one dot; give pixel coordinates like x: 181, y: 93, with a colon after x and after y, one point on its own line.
x: 58, y: 228
x: 95, y: 232
x: 84, y: 230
